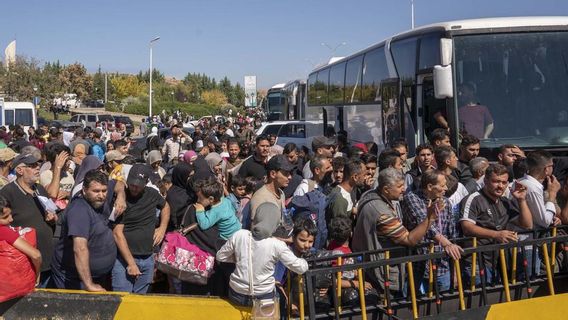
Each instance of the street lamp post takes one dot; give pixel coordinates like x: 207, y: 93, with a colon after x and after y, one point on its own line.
x: 150, y: 93
x: 412, y: 13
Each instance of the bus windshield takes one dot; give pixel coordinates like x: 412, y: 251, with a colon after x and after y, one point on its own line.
x: 511, y: 88
x: 276, y: 102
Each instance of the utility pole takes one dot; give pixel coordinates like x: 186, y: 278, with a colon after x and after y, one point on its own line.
x: 106, y: 87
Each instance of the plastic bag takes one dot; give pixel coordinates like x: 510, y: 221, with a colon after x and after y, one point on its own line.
x: 16, y: 269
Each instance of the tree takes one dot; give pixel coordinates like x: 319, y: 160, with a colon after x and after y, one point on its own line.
x: 157, y: 76
x: 214, y: 97
x: 127, y: 86
x: 74, y: 79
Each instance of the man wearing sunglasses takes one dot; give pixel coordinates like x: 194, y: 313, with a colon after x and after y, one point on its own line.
x: 25, y: 195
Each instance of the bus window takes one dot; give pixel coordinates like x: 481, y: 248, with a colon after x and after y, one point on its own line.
x: 353, y: 80
x: 322, y: 86
x: 336, y: 84
x: 312, y: 92
x: 429, y: 52
x: 24, y: 117
x: 374, y: 71
x: 404, y: 54
x: 9, y: 116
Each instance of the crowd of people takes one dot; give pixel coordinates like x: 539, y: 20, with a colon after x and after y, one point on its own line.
x: 101, y: 215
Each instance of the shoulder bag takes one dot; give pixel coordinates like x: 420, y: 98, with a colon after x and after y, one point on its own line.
x: 184, y: 260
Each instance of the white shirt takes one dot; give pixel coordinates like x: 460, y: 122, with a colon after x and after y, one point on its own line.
x: 304, y: 188
x: 347, y: 196
x: 306, y: 171
x: 457, y: 197
x: 542, y: 213
x: 266, y: 254
x: 230, y: 133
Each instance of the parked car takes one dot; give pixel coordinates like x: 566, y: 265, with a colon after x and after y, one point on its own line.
x: 92, y: 119
x: 94, y: 104
x: 290, y: 131
x: 127, y: 121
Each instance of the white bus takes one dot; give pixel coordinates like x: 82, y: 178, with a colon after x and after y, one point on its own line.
x: 516, y: 71
x: 22, y: 113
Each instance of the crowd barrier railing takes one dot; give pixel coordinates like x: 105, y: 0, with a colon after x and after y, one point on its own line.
x: 503, y: 265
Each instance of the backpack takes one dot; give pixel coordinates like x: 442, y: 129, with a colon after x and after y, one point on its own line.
x: 312, y: 205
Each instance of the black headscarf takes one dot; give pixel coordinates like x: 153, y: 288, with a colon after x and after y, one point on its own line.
x: 179, y: 196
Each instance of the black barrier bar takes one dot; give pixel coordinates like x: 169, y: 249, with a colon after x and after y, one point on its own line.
x: 385, y: 263
x: 435, y: 255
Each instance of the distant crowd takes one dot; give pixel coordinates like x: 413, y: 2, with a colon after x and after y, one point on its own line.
x: 101, y: 214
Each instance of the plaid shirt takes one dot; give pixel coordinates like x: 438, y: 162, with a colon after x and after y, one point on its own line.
x: 414, y: 211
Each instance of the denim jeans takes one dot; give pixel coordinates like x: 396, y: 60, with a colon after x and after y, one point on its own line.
x: 442, y: 280
x: 246, y: 300
x: 45, y: 280
x: 121, y: 281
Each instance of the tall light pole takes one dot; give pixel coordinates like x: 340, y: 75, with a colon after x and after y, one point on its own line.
x: 151, y: 42
x: 333, y: 49
x: 412, y: 13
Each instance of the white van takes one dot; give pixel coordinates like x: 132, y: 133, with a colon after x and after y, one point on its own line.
x: 22, y: 113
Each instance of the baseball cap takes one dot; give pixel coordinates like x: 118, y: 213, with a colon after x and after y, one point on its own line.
x: 279, y: 162
x: 7, y: 154
x: 138, y: 175
x: 321, y: 141
x: 114, y: 155
x: 24, y: 159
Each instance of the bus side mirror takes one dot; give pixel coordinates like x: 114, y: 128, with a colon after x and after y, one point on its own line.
x: 443, y: 82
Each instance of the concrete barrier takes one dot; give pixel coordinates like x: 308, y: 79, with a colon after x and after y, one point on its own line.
x: 72, y: 304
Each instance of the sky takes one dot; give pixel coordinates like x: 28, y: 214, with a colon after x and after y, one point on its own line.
x: 277, y: 41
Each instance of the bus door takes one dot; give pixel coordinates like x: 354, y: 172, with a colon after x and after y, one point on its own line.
x: 390, y: 108
x: 432, y: 112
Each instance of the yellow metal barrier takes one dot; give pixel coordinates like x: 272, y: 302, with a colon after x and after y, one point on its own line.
x: 473, y: 265
x: 460, y: 284
x: 548, y: 269
x: 505, y: 276
x: 412, y: 290
x: 514, y: 266
x: 339, y: 276
x: 301, y: 296
x: 362, y: 294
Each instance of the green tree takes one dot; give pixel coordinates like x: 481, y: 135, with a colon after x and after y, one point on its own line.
x: 127, y: 86
x: 74, y: 79
x: 214, y: 97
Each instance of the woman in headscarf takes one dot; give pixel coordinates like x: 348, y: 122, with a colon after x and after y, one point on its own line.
x: 215, y: 163
x: 267, y: 251
x: 154, y: 160
x: 89, y: 163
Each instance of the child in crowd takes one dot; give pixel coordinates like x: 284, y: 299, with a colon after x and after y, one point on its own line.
x: 214, y: 209
x: 303, y: 237
x: 241, y: 192
x: 340, y: 233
